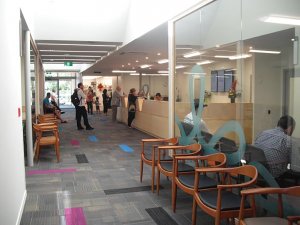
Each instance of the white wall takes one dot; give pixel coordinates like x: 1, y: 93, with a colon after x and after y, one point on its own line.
x: 12, y: 170
x: 267, y: 92
x: 144, y: 15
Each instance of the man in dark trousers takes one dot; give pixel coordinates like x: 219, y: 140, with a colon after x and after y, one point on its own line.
x: 81, y: 110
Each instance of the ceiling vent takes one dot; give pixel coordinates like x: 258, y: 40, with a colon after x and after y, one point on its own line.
x: 136, y: 53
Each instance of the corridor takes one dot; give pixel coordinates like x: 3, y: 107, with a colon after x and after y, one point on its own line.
x: 97, y: 183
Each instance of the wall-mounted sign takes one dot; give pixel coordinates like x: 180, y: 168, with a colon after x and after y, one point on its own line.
x: 68, y: 63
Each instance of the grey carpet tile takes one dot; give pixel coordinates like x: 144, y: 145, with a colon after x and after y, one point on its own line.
x: 81, y: 158
x: 160, y: 216
x: 127, y: 190
x: 107, y: 187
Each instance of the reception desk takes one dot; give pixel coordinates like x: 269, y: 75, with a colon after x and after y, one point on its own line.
x: 152, y: 116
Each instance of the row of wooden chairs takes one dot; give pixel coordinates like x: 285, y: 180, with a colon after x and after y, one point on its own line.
x: 206, y: 178
x: 46, y: 131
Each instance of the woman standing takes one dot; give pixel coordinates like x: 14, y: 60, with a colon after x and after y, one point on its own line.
x: 132, y: 96
x: 89, y: 100
x: 105, y: 98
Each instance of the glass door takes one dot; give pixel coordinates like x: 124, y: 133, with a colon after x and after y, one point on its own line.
x: 65, y: 90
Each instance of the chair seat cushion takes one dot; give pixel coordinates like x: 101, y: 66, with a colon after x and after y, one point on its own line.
x: 182, y: 167
x: 266, y: 221
x: 49, y: 140
x: 148, y: 155
x: 230, y: 201
x: 204, y: 181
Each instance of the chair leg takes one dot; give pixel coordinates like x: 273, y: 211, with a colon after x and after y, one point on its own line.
x: 153, y: 177
x: 141, y: 170
x: 157, y: 181
x: 174, y: 195
x: 57, y: 151
x: 37, y: 153
x: 194, y: 212
x: 217, y: 220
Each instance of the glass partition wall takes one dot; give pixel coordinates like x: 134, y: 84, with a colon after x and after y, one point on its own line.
x: 239, y: 62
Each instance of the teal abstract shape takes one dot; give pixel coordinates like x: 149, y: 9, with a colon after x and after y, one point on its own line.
x: 270, y: 204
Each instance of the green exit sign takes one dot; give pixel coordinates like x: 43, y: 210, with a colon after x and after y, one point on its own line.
x: 68, y: 63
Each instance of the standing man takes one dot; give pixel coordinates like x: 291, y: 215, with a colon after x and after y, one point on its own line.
x: 81, y: 111
x: 115, y: 102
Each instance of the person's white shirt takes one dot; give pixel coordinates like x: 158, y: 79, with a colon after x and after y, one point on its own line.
x: 81, y: 96
x: 189, y: 119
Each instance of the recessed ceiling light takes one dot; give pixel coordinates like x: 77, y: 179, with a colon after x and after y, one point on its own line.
x: 265, y: 51
x: 222, y: 56
x: 163, y: 61
x: 158, y: 53
x: 163, y: 71
x: 124, y: 71
x: 123, y: 66
x: 180, y: 66
x: 146, y: 57
x: 240, y: 56
x: 217, y: 46
x: 145, y: 66
x: 205, y: 62
x: 192, y: 54
x: 137, y: 61
x: 128, y: 64
x: 282, y: 20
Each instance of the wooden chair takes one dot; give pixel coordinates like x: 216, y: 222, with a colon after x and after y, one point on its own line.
x: 47, y: 118
x: 46, y: 140
x: 222, y: 203
x: 167, y: 167
x: 186, y: 181
x: 292, y: 191
x: 149, y: 157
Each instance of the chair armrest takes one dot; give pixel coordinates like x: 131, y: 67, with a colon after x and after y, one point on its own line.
x: 156, y: 140
x: 47, y: 124
x: 253, y: 191
x: 175, y: 147
x: 293, y: 218
x: 245, y: 184
x: 215, y: 170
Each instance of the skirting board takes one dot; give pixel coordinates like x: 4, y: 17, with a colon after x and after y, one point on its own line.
x: 21, y: 208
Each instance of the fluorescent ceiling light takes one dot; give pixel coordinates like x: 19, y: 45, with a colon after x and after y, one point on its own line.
x: 240, y: 56
x: 163, y: 71
x: 192, y: 54
x: 223, y: 56
x: 85, y: 45
x: 90, y: 77
x: 83, y: 56
x: 264, y: 51
x: 180, y: 66
x: 282, y: 20
x: 88, y: 60
x: 163, y: 61
x: 205, y: 62
x: 124, y: 71
x: 72, y: 51
x: 145, y: 66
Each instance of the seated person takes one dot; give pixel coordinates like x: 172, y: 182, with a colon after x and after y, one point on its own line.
x: 189, y: 118
x: 158, y: 97
x: 49, y: 108
x: 276, y: 144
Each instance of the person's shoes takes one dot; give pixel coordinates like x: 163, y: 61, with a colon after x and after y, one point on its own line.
x: 90, y: 128
x: 62, y: 112
x: 64, y: 121
x: 80, y: 128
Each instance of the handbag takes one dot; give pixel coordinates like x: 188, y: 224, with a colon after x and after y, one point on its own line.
x: 131, y: 108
